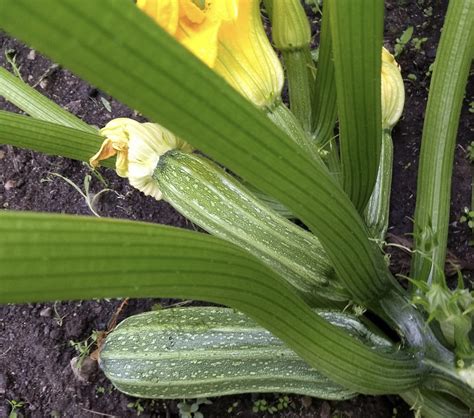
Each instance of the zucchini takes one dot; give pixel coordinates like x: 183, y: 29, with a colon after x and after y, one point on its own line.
x: 221, y: 205
x: 212, y: 351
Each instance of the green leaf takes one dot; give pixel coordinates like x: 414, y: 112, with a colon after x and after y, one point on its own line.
x: 50, y: 138
x: 357, y: 29
x: 143, y: 67
x: 54, y: 257
x: 450, y: 73
x: 37, y: 105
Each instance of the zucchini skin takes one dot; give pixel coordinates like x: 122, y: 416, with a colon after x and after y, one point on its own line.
x: 222, y: 206
x: 205, y: 352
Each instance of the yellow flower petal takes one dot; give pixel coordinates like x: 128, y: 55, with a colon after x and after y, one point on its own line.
x: 189, y: 10
x: 228, y: 36
x: 202, y: 41
x: 163, y: 12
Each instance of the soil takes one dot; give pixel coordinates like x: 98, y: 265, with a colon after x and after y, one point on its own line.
x: 36, y: 340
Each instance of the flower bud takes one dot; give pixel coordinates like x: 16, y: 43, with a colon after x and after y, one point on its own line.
x: 290, y: 25
x: 393, y: 91
x: 246, y: 58
x: 138, y: 147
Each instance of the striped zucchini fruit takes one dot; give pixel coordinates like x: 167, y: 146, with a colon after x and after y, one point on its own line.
x: 211, y: 351
x: 221, y: 205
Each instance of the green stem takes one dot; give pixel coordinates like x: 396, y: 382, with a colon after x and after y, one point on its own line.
x: 378, y: 209
x: 299, y: 69
x: 49, y: 137
x: 357, y: 35
x: 448, y: 82
x: 281, y: 116
x: 444, y: 378
x: 435, y: 405
x: 324, y: 93
x: 333, y: 161
x: 36, y: 105
x: 440, y: 362
x: 412, y: 327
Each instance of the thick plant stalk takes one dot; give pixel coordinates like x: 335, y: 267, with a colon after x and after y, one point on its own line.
x: 448, y: 82
x: 36, y: 105
x: 357, y: 29
x: 324, y: 94
x: 378, y: 208
x: 282, y: 117
x: 300, y: 72
x: 218, y: 203
x: 48, y: 137
x: 292, y: 36
x: 434, y: 405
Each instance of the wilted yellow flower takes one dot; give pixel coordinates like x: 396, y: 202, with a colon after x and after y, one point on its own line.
x: 393, y: 91
x: 228, y: 36
x: 138, y: 147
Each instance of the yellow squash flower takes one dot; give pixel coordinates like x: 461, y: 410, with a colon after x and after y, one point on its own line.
x: 229, y: 37
x: 393, y: 91
x: 138, y: 147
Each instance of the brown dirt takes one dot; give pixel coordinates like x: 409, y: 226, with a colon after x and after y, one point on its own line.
x: 35, y: 348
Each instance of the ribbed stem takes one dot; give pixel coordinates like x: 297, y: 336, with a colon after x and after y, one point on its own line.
x: 450, y: 73
x: 36, y: 105
x: 281, y: 116
x: 357, y: 32
x: 300, y: 75
x: 324, y: 94
x: 435, y: 405
x: 378, y: 209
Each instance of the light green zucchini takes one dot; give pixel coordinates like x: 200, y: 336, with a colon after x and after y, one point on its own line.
x: 212, y: 351
x: 222, y: 206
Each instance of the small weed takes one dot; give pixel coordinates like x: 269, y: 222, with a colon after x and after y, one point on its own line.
x: 89, y: 197
x: 283, y: 403
x: 468, y: 217
x: 262, y: 405
x: 15, y: 408
x: 137, y: 406
x: 412, y: 77
x: 418, y: 42
x: 402, y: 42
x: 430, y: 70
x: 428, y: 11
x: 187, y: 410
x: 470, y: 150
x: 57, y: 317
x: 315, y: 6
x: 83, y: 348
x: 10, y: 56
x: 232, y: 407
x: 106, y: 104
x: 100, y: 390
